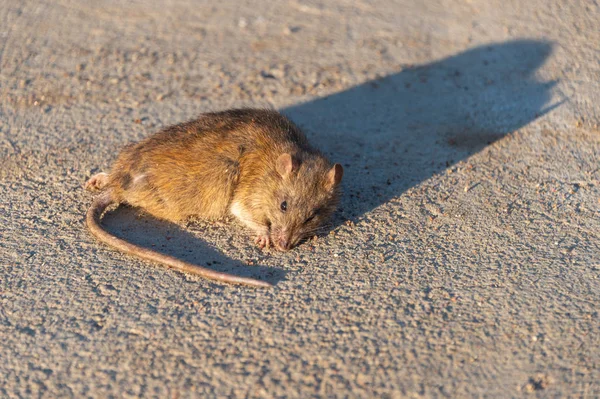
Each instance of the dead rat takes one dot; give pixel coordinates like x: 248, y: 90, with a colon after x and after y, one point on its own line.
x: 253, y: 164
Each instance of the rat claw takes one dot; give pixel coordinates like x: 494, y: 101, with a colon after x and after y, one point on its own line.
x: 263, y: 241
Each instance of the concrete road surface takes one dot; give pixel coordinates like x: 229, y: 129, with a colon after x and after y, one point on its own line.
x: 464, y: 262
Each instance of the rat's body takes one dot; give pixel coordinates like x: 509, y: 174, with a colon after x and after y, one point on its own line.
x: 253, y: 164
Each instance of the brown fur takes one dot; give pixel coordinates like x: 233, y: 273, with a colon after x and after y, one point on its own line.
x: 244, y: 162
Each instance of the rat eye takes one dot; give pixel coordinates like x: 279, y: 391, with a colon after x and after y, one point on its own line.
x: 283, y: 206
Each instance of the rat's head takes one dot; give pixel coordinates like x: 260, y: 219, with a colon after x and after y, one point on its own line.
x: 305, y: 196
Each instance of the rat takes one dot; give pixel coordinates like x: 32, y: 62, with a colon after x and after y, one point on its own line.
x: 253, y: 164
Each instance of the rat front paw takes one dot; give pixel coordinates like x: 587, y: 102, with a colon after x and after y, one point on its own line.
x: 263, y: 241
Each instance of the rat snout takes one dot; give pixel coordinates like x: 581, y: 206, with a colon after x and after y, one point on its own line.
x: 283, y: 241
x: 283, y: 244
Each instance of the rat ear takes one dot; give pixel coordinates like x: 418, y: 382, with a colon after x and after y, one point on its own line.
x: 334, y: 176
x: 286, y: 164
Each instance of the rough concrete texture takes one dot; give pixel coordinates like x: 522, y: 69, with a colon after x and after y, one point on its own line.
x: 465, y: 260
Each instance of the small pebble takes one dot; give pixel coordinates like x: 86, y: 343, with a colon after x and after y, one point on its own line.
x: 288, y: 30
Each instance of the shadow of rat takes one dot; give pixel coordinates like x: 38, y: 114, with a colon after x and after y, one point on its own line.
x: 395, y: 132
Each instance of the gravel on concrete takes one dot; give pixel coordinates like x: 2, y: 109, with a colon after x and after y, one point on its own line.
x: 465, y: 260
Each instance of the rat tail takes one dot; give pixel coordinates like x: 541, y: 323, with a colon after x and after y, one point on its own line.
x: 93, y: 221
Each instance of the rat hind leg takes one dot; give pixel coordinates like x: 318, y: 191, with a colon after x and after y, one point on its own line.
x: 97, y: 182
